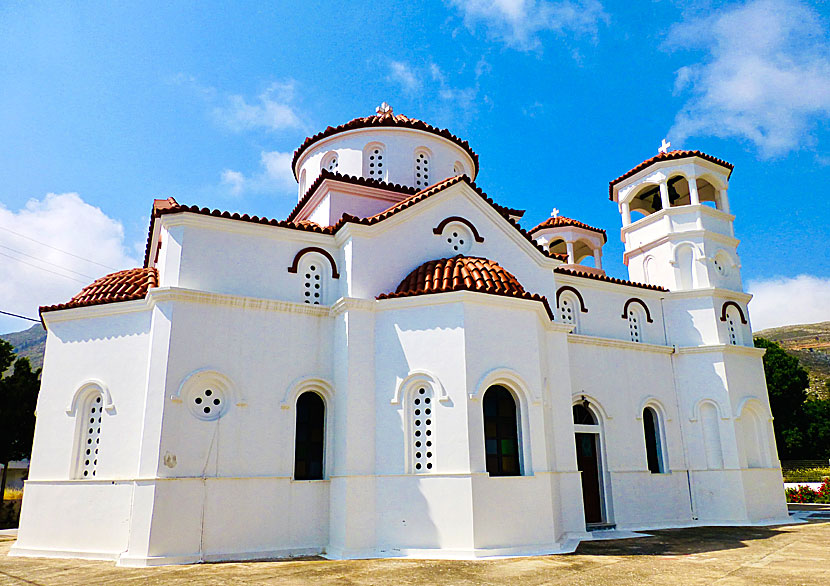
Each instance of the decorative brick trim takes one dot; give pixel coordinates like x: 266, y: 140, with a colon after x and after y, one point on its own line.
x: 296, y: 263
x: 642, y: 303
x: 738, y: 307
x: 440, y: 227
x: 564, y: 288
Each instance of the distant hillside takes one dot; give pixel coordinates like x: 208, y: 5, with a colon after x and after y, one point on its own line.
x: 810, y: 343
x: 29, y: 343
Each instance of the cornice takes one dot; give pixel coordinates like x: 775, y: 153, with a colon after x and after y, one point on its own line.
x: 622, y: 344
x: 722, y: 349
x: 715, y: 292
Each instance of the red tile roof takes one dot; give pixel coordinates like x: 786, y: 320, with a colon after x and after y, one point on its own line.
x: 669, y: 156
x: 348, y: 219
x: 607, y: 279
x: 462, y: 273
x: 384, y: 120
x: 563, y: 221
x: 127, y: 285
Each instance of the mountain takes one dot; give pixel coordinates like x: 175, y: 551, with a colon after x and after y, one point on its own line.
x: 810, y: 343
x: 30, y: 343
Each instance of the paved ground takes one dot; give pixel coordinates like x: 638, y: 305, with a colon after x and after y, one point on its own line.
x: 783, y: 556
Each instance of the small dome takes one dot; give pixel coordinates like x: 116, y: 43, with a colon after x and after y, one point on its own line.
x: 562, y: 221
x: 459, y: 273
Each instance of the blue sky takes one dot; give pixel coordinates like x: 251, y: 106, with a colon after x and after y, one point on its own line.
x: 104, y: 106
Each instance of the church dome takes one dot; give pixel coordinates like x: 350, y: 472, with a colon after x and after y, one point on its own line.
x: 459, y: 273
x: 387, y: 147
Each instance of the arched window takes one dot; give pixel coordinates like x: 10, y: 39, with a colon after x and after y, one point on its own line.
x: 313, y: 278
x: 421, y: 168
x: 302, y: 182
x: 421, y: 428
x: 330, y: 162
x: 309, y: 437
x: 583, y: 416
x: 635, y: 322
x: 649, y: 273
x: 568, y: 311
x: 733, y: 326
x: 685, y: 266
x: 91, y: 414
x: 654, y: 447
x: 711, y: 436
x: 374, y: 161
x: 501, y: 433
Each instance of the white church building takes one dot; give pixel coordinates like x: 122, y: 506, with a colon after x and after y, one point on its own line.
x: 399, y: 369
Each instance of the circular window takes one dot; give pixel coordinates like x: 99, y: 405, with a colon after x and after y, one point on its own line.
x: 207, y: 402
x: 721, y: 265
x: 458, y: 238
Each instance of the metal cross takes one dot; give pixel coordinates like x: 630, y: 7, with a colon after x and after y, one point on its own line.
x: 664, y: 148
x: 554, y: 212
x: 384, y: 109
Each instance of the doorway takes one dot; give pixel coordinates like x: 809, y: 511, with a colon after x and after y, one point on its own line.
x: 587, y: 461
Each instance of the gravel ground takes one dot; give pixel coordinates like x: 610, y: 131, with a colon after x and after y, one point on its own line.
x: 783, y: 556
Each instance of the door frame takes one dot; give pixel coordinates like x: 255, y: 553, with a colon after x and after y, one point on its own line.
x: 604, y: 484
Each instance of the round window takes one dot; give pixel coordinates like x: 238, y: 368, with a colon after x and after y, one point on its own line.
x: 207, y: 402
x: 458, y: 238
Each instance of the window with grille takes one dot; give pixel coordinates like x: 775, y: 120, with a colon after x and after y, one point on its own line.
x: 330, y: 162
x: 92, y: 414
x: 313, y: 280
x: 421, y: 169
x: 422, y: 429
x: 374, y: 162
x: 634, y: 325
x: 734, y: 327
x: 568, y: 310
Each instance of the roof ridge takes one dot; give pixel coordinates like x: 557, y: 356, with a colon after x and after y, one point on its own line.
x: 606, y: 278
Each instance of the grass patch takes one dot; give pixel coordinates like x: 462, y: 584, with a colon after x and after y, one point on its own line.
x: 12, y: 494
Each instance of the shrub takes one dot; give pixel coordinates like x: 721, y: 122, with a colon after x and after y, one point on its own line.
x: 805, y: 494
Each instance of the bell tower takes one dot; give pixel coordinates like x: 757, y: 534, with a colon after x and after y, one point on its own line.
x: 677, y: 228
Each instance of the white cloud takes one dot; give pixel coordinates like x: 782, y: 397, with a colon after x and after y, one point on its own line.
x: 273, y: 109
x: 518, y: 23
x: 275, y: 175
x: 403, y: 74
x: 804, y: 299
x: 39, y: 236
x: 766, y: 78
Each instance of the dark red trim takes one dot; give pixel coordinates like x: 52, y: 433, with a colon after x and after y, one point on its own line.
x: 296, y: 263
x: 559, y: 291
x: 641, y: 302
x: 740, y: 311
x: 440, y: 227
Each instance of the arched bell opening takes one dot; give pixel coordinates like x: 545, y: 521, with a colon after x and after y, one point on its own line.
x: 708, y: 194
x: 646, y: 201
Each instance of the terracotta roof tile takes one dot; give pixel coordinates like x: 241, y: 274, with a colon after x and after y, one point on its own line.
x: 413, y: 199
x: 126, y: 285
x: 563, y: 221
x: 463, y: 273
x: 607, y: 279
x: 385, y: 120
x: 669, y: 156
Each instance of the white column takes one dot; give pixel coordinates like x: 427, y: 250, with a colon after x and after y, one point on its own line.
x: 598, y: 258
x: 693, y: 191
x: 626, y: 214
x: 724, y: 201
x: 664, y: 195
x: 570, y: 246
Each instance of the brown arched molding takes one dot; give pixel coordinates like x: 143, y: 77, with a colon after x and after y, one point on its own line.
x: 440, y: 227
x: 642, y: 303
x: 296, y: 263
x: 738, y: 307
x: 563, y: 288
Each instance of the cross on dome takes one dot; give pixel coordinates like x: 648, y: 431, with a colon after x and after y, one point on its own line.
x: 384, y: 110
x: 664, y: 148
x: 554, y: 213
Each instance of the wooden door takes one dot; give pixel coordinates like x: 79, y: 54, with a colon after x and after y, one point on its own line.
x: 587, y: 462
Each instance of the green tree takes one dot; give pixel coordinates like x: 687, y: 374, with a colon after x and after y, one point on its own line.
x: 18, y: 398
x: 787, y: 384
